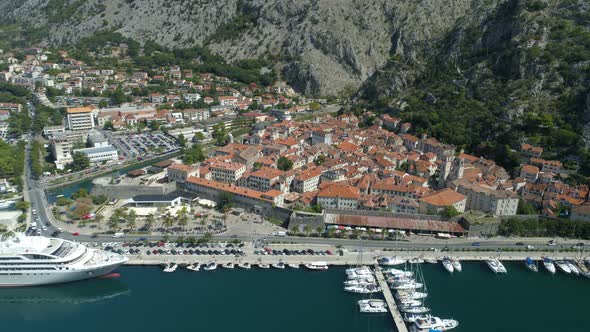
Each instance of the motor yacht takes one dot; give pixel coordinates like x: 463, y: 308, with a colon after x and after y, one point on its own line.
x: 372, y: 306
x: 573, y: 267
x: 194, y: 267
x: 317, y: 266
x: 395, y: 272
x: 414, y: 310
x: 433, y: 324
x: 400, y: 294
x: 263, y: 266
x: 171, y: 267
x: 410, y: 302
x: 293, y: 266
x: 391, y: 261
x: 531, y: 264
x: 246, y: 266
x: 210, y: 267
x: 228, y: 265
x: 359, y: 282
x: 358, y: 270
x: 415, y: 261
x: 431, y: 261
x: 496, y: 266
x: 446, y: 262
x: 563, y: 266
x: 407, y: 285
x: 279, y: 265
x: 363, y: 289
x: 456, y: 264
x: 549, y: 265
x: 411, y: 318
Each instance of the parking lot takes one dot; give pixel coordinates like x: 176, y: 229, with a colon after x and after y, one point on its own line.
x: 140, y: 146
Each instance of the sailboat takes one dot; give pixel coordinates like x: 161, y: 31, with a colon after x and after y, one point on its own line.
x: 446, y: 262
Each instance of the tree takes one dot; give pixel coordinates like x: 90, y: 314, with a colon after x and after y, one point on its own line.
x: 131, y: 224
x: 81, y: 162
x: 63, y: 201
x: 168, y: 221
x: 307, y: 230
x: 284, y: 164
x: 113, y: 223
x: 132, y: 216
x: 108, y: 126
x: 22, y: 206
x: 320, y: 159
x: 99, y: 199
x: 149, y: 221
x: 226, y: 201
x: 81, y: 193
x: 194, y: 154
x: 182, y: 216
x: 525, y: 207
x: 314, y: 106
x: 219, y: 133
x: 181, y: 140
x: 449, y: 212
x: 199, y: 136
x: 98, y: 219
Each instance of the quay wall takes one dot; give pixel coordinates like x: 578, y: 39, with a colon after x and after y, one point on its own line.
x: 118, y: 191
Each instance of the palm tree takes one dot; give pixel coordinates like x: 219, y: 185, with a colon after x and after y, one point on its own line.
x: 182, y: 216
x: 168, y: 221
x: 149, y: 221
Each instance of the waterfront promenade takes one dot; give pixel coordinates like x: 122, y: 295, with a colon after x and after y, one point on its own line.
x: 350, y: 258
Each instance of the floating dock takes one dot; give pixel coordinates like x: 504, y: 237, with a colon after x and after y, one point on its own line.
x: 395, y: 314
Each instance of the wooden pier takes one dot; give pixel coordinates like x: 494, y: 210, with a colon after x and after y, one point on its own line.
x: 395, y: 314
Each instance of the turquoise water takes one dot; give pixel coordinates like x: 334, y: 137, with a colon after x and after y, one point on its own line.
x: 146, y: 299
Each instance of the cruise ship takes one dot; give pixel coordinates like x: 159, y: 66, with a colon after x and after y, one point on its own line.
x: 38, y: 260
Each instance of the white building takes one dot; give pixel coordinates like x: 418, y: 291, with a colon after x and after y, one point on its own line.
x: 438, y: 201
x: 80, y: 118
x: 339, y: 197
x: 227, y: 172
x: 97, y: 155
x: 191, y: 97
x: 499, y: 203
x: 307, y: 181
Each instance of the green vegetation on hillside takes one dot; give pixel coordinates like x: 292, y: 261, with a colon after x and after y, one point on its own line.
x: 12, y: 161
x: 545, y: 228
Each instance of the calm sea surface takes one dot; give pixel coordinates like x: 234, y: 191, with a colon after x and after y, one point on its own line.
x: 146, y: 299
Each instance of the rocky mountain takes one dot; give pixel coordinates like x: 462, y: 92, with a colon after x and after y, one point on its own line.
x: 323, y: 47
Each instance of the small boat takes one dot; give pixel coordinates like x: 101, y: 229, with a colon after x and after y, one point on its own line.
x: 210, y: 267
x: 372, y: 306
x: 293, y: 266
x: 363, y: 289
x: 446, y: 262
x: 170, y: 267
x: 407, y: 285
x: 496, y: 266
x: 391, y: 261
x: 194, y: 267
x: 228, y: 265
x: 456, y: 264
x: 279, y: 265
x: 584, y: 271
x: 358, y: 270
x: 415, y: 261
x: 411, y: 318
x: 573, y: 267
x: 263, y: 266
x: 433, y: 324
x: 410, y: 302
x: 549, y: 265
x: 410, y: 294
x: 531, y: 264
x: 246, y: 266
x: 317, y: 266
x: 431, y: 261
x: 396, y: 272
x: 414, y: 310
x: 359, y: 282
x: 563, y: 266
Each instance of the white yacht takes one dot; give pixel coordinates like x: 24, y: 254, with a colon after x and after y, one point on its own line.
x: 171, y: 267
x: 210, y: 267
x: 434, y: 324
x: 279, y: 265
x: 496, y: 266
x: 263, y: 266
x: 372, y: 306
x: 411, y: 318
x: 246, y: 266
x: 531, y: 264
x: 446, y: 262
x: 563, y: 266
x: 228, y: 265
x: 549, y: 265
x: 410, y: 294
x: 293, y: 266
x: 456, y: 264
x: 410, y: 285
x: 431, y: 261
x: 413, y: 310
x: 358, y: 270
x: 363, y: 289
x: 396, y: 272
x: 391, y: 261
x: 319, y: 266
x: 38, y: 260
x: 194, y: 267
x: 416, y: 261
x: 410, y: 302
x: 572, y: 265
x: 359, y: 282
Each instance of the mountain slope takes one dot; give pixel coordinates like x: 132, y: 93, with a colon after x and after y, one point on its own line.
x: 322, y: 47
x: 519, y: 74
